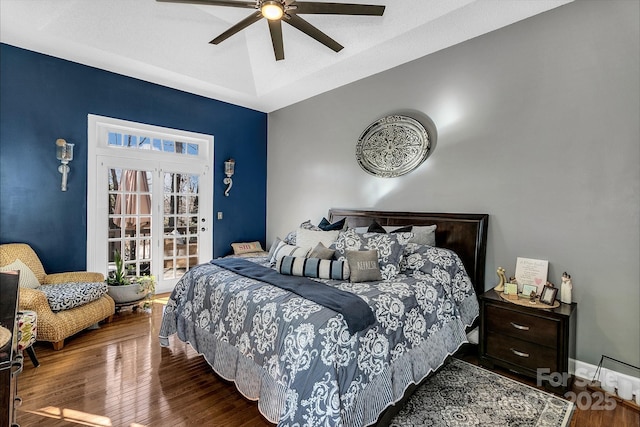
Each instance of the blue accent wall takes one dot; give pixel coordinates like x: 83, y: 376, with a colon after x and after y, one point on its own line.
x: 44, y: 98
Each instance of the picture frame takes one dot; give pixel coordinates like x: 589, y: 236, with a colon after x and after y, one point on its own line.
x: 510, y: 289
x: 526, y: 290
x: 531, y: 272
x: 548, y: 295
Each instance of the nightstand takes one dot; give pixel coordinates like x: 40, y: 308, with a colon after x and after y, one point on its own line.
x: 530, y: 341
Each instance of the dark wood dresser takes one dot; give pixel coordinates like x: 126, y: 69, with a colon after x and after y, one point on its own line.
x: 529, y: 341
x: 10, y: 363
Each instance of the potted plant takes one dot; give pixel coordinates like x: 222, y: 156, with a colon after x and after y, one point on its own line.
x: 128, y: 289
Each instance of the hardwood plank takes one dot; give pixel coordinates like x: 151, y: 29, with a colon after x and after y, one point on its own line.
x: 118, y: 375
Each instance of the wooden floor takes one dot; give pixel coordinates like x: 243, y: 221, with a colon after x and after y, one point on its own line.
x: 119, y: 376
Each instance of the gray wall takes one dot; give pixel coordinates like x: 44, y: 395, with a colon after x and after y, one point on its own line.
x: 537, y: 125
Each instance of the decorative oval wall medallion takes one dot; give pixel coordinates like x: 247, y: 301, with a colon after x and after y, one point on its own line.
x: 392, y: 146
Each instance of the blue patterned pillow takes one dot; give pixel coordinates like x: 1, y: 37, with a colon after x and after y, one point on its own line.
x: 313, y: 267
x: 65, y: 296
x: 390, y: 248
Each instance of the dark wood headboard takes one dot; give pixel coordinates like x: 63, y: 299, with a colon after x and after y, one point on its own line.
x: 466, y: 234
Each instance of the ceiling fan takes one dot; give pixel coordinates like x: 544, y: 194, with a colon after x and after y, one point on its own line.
x: 277, y: 11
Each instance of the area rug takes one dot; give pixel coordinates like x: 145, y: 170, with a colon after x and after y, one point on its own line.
x: 462, y: 394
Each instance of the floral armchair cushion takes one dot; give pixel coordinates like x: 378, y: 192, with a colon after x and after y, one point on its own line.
x: 65, y: 296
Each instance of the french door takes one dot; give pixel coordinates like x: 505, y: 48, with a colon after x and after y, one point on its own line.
x: 150, y: 200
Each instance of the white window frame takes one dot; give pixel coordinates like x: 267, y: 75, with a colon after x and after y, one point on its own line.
x: 97, y: 141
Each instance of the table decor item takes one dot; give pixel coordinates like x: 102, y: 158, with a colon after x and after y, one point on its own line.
x: 502, y: 280
x: 548, y: 295
x: 526, y: 301
x: 565, y: 288
x: 531, y: 272
x: 128, y: 289
x: 527, y: 289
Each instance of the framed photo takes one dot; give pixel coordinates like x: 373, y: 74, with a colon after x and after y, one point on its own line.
x: 532, y: 272
x: 526, y: 290
x: 510, y: 289
x: 548, y: 295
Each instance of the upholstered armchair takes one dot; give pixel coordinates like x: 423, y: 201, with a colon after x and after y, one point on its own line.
x: 65, y: 303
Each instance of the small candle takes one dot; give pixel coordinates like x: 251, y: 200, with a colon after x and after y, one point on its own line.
x: 608, y: 382
x: 624, y: 389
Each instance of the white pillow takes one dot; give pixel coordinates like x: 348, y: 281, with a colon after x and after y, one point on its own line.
x: 27, y: 278
x: 309, y: 239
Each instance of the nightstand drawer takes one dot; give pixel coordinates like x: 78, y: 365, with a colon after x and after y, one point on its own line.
x: 522, y: 353
x: 523, y: 326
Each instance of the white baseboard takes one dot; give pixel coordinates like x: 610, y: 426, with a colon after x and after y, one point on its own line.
x: 586, y: 371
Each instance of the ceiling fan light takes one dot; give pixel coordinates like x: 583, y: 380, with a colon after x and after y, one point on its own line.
x: 272, y: 10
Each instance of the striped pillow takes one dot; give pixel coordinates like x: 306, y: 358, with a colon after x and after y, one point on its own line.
x: 313, y: 267
x: 284, y: 249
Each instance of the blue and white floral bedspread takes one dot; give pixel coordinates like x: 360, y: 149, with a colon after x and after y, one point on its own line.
x: 299, y: 359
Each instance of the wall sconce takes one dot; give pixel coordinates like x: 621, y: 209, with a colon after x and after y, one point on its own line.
x: 64, y: 153
x: 229, y: 169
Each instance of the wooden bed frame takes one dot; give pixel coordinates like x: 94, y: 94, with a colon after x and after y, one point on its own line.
x: 465, y: 234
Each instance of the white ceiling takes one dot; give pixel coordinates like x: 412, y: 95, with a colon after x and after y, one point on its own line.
x: 168, y: 43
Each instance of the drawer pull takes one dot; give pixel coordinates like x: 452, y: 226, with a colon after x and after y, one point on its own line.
x: 522, y: 328
x: 519, y: 353
x: 16, y: 366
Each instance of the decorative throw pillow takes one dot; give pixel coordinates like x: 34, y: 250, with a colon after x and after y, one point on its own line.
x: 364, y: 266
x: 313, y: 267
x: 327, y: 226
x: 27, y: 278
x: 389, y: 246
x: 245, y: 248
x: 287, y: 250
x: 308, y: 226
x: 424, y: 235
x: 65, y: 296
x: 310, y: 238
x: 273, y: 247
x: 322, y: 252
x: 291, y: 237
x: 377, y: 228
x: 396, y: 229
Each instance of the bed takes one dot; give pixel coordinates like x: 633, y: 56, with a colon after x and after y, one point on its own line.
x: 305, y: 363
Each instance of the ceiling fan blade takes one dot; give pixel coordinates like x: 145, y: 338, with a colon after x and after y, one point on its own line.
x: 275, y: 28
x: 238, y: 27
x: 244, y: 4
x: 312, y: 7
x: 313, y: 32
